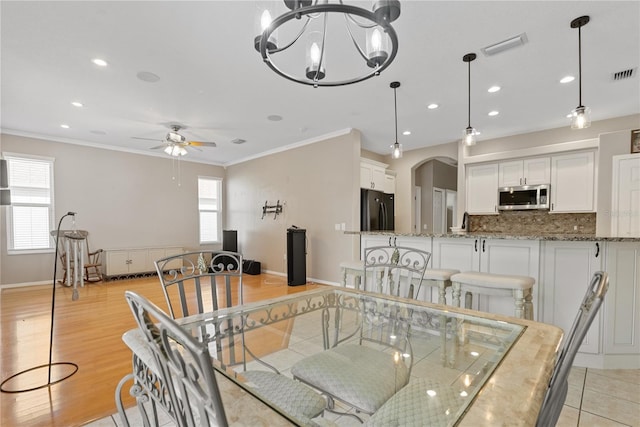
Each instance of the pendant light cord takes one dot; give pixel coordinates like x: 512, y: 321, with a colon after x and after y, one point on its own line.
x: 395, y: 107
x: 469, y: 93
x: 580, y: 66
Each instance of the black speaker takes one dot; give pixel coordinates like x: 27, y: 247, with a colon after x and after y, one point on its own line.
x: 229, y: 243
x: 296, y: 256
x: 250, y: 266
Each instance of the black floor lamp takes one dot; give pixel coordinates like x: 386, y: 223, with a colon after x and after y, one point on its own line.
x: 73, y: 366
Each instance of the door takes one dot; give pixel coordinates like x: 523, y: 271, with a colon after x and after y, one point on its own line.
x: 625, y: 209
x: 439, y: 210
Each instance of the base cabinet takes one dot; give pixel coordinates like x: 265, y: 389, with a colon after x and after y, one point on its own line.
x: 567, y: 270
x: 135, y: 261
x: 622, y: 302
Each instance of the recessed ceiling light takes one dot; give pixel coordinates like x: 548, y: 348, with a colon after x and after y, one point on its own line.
x: 494, y: 113
x: 567, y: 79
x: 406, y: 132
x: 493, y: 89
x: 64, y: 126
x: 274, y: 118
x: 77, y: 104
x: 148, y: 76
x: 99, y: 62
x: 432, y: 106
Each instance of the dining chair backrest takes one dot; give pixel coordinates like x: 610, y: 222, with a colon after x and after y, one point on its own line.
x: 557, y: 390
x: 198, y: 282
x: 184, y: 364
x: 395, y: 270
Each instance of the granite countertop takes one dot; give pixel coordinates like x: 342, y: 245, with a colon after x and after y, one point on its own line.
x: 489, y: 235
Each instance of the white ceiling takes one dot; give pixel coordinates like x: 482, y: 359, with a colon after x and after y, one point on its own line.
x: 214, y: 82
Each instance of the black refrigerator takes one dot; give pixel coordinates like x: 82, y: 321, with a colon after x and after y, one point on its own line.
x: 376, y: 211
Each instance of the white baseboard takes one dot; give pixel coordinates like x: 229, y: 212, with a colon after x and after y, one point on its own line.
x: 25, y: 284
x: 309, y: 279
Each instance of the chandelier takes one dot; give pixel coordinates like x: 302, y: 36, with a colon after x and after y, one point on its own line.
x: 327, y: 29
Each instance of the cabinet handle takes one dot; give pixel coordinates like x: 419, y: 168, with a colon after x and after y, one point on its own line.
x: 389, y: 241
x: 483, y: 242
x: 475, y: 246
x: 551, y: 206
x: 520, y: 181
x: 597, y: 249
x: 525, y: 181
x: 394, y: 241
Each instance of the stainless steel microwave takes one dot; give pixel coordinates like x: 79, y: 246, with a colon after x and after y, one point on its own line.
x: 523, y: 197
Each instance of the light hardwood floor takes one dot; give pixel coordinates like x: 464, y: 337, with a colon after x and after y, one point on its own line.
x: 88, y: 333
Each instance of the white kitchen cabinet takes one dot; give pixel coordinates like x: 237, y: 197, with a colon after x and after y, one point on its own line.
x: 372, y: 174
x: 499, y: 256
x: 525, y: 172
x: 625, y: 196
x: 136, y: 261
x: 566, y: 272
x: 622, y: 304
x: 573, y: 182
x: 482, y: 189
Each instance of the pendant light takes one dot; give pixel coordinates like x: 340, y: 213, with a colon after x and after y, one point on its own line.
x: 396, y: 148
x: 581, y: 115
x: 469, y: 134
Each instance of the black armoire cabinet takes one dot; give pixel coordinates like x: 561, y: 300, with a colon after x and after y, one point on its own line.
x: 296, y: 256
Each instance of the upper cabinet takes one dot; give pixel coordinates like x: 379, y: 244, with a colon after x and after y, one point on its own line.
x: 525, y: 172
x: 482, y: 189
x: 372, y: 174
x: 573, y: 182
x: 390, y: 182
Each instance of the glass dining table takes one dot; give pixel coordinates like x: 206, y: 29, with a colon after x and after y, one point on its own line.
x: 498, y: 367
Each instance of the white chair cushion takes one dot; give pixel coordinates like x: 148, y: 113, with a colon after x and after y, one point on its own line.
x: 434, y: 274
x: 493, y: 280
x: 291, y: 396
x: 352, y: 265
x: 413, y: 407
x: 357, y: 374
x: 135, y: 340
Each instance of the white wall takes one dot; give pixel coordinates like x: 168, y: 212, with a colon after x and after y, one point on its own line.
x: 122, y: 199
x: 318, y: 185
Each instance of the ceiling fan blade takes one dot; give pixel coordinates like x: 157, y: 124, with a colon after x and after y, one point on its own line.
x: 201, y: 144
x: 146, y: 139
x: 158, y: 147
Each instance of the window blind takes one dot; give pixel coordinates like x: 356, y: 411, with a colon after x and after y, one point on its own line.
x: 209, y: 205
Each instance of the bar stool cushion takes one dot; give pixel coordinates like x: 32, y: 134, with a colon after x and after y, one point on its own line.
x: 352, y: 265
x: 442, y: 274
x: 493, y: 280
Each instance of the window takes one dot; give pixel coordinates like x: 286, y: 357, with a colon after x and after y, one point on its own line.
x: 30, y: 217
x: 210, y: 207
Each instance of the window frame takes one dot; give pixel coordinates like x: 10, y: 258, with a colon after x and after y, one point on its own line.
x: 51, y: 206
x: 218, y: 182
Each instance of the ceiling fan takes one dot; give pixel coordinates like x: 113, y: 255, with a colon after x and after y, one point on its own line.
x: 176, y: 144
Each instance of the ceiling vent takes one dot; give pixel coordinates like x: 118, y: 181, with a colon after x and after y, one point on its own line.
x: 625, y: 74
x: 238, y: 141
x: 510, y: 43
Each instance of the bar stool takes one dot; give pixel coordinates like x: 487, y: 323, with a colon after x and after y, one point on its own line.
x: 518, y: 287
x: 355, y: 269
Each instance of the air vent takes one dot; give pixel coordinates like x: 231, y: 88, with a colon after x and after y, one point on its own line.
x: 238, y: 141
x: 511, y: 43
x: 626, y: 74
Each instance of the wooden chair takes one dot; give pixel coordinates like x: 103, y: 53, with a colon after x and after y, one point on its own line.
x: 558, y: 386
x: 92, y: 263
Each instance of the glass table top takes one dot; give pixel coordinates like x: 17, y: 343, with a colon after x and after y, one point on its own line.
x: 457, y: 351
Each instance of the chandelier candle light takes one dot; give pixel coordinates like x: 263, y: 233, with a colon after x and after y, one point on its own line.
x: 311, y: 18
x: 396, y: 148
x: 581, y: 115
x: 469, y: 135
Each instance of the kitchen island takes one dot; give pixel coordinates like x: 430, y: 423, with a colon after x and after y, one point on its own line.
x: 562, y: 265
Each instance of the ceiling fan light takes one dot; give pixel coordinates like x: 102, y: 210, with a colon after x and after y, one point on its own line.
x: 175, y: 150
x: 174, y: 136
x: 580, y: 117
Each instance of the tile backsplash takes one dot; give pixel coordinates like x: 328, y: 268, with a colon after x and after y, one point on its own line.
x: 528, y: 222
